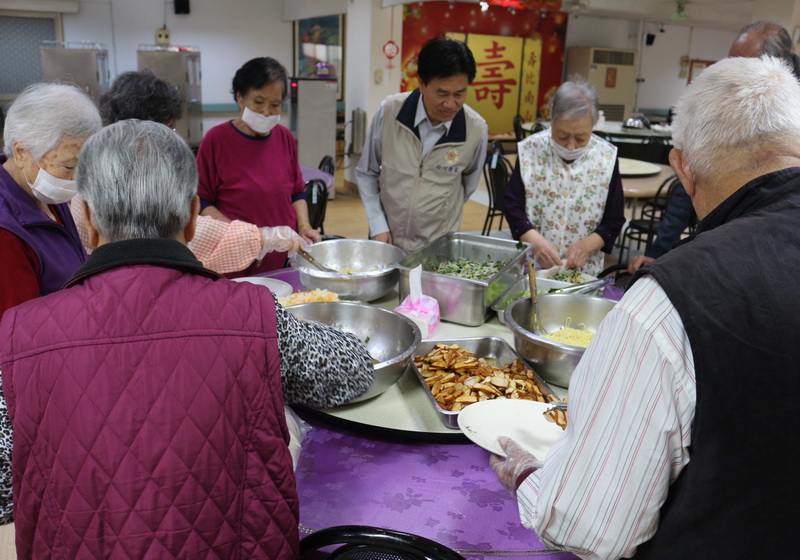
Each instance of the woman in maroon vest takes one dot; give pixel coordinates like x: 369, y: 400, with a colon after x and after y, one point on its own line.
x: 147, y: 396
x: 39, y: 245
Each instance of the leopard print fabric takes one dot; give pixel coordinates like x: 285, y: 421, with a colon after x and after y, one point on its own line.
x: 6, y: 507
x: 321, y: 366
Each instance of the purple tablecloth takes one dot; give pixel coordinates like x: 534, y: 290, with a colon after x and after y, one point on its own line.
x: 445, y: 492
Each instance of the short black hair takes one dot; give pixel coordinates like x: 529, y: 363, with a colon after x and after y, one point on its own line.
x: 257, y: 73
x: 443, y: 57
x: 141, y: 95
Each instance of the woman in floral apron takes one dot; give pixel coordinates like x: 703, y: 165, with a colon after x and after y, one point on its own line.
x: 565, y: 195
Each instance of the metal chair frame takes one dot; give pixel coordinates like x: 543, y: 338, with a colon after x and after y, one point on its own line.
x: 644, y: 229
x: 496, y: 172
x: 317, y: 202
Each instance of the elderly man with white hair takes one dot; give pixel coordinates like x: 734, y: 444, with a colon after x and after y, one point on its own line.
x: 683, y: 423
x: 146, y: 397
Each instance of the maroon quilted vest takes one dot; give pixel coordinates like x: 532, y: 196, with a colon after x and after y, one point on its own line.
x: 148, y: 420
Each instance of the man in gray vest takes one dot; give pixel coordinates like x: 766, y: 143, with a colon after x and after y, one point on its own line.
x: 669, y: 451
x: 424, y: 152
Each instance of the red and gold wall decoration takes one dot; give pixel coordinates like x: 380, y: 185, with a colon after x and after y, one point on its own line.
x: 520, y: 55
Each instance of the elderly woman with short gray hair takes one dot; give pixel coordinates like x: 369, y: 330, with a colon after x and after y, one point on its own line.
x: 39, y: 245
x: 565, y: 195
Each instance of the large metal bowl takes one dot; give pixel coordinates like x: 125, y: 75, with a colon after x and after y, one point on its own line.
x: 391, y: 338
x: 373, y: 257
x: 554, y: 362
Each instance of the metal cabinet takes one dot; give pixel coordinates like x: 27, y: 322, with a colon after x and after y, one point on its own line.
x: 82, y: 64
x: 179, y: 66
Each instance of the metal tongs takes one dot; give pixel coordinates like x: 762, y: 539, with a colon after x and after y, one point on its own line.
x: 307, y: 256
x: 585, y: 287
x: 557, y: 405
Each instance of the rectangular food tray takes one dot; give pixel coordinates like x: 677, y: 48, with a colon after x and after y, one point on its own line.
x: 481, y: 347
x: 464, y: 301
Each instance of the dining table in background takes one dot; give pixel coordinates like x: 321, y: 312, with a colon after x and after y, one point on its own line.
x: 636, y: 186
x: 391, y: 462
x: 617, y: 129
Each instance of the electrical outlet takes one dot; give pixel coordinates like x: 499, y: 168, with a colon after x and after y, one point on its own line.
x: 162, y: 36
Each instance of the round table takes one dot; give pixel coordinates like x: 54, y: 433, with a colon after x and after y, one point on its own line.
x: 404, y: 411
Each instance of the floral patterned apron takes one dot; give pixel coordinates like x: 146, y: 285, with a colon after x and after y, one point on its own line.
x: 566, y: 202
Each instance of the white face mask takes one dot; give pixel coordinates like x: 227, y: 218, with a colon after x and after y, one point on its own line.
x: 259, y: 122
x: 565, y: 154
x: 52, y: 190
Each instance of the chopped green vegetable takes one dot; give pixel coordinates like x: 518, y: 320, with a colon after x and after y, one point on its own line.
x: 471, y: 270
x: 570, y: 275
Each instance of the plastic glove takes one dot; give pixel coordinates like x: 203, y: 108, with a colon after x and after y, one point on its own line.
x: 515, y: 466
x: 280, y: 238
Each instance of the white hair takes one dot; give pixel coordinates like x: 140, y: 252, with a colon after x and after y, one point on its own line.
x: 737, y: 112
x: 44, y: 114
x: 574, y: 100
x: 139, y: 179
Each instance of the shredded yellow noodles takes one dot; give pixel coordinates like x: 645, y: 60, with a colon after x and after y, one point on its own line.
x: 574, y: 337
x: 307, y: 297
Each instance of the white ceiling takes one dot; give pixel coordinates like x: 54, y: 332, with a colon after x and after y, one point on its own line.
x: 714, y: 14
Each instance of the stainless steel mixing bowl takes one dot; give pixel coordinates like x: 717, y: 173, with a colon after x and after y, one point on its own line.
x: 554, y: 362
x: 373, y: 257
x: 391, y: 338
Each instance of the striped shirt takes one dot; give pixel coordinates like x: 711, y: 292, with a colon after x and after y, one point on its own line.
x: 632, y: 403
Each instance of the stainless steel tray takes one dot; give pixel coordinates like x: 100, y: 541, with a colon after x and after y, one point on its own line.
x: 482, y: 347
x: 460, y: 300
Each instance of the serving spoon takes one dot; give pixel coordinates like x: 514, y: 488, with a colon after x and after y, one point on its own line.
x: 307, y: 256
x: 536, y: 323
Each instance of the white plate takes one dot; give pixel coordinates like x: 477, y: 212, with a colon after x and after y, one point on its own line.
x: 277, y: 287
x: 483, y: 422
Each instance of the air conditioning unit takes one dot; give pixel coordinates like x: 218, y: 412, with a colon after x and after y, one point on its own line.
x: 612, y: 72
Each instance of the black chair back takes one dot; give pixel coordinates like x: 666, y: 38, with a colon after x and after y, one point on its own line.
x: 317, y: 202
x: 362, y: 542
x: 496, y: 173
x: 643, y: 230
x: 519, y: 132
x: 327, y: 165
